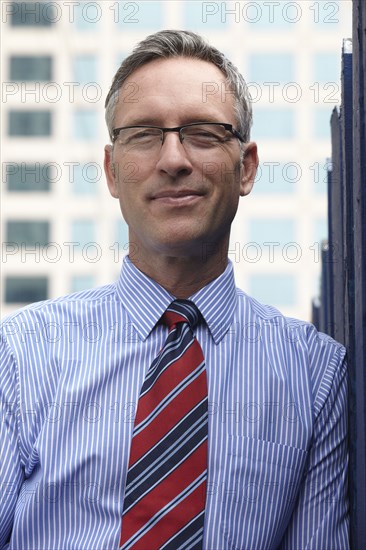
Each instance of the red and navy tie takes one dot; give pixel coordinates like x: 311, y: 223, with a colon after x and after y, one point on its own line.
x: 165, y: 490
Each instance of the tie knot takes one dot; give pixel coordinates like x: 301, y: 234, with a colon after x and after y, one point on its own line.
x: 181, y: 311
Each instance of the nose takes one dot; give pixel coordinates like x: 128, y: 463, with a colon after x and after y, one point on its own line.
x: 173, y: 159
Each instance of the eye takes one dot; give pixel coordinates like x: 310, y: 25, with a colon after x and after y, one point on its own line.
x: 144, y: 133
x: 205, y: 134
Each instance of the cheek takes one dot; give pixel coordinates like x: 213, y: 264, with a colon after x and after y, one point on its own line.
x: 129, y: 173
x: 226, y: 173
x: 125, y: 202
x: 131, y: 203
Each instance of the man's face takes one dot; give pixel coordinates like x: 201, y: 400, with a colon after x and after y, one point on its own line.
x: 178, y: 202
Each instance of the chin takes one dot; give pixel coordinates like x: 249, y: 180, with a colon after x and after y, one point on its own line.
x: 191, y: 247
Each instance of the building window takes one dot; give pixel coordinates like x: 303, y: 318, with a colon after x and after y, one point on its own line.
x: 83, y: 232
x: 29, y: 123
x: 84, y: 68
x: 41, y: 14
x: 326, y: 67
x: 87, y: 15
x: 85, y: 178
x: 271, y: 123
x: 23, y: 177
x: 321, y: 118
x: 326, y: 15
x: 277, y: 177
x: 118, y: 59
x: 32, y: 233
x: 206, y: 15
x: 275, y: 231
x: 320, y: 230
x: 82, y: 282
x: 122, y: 234
x: 271, y: 67
x: 320, y: 173
x: 85, y: 125
x: 30, y: 67
x: 25, y: 290
x: 273, y: 289
x: 147, y: 15
x: 271, y: 16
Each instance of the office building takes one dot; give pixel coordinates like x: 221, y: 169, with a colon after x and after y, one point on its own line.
x: 61, y: 229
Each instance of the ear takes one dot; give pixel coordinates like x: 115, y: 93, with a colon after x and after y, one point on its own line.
x: 110, y: 171
x: 249, y: 164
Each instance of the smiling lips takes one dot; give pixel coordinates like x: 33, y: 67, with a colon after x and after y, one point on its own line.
x: 181, y: 197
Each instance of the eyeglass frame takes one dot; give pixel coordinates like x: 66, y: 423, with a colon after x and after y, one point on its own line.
x: 227, y: 126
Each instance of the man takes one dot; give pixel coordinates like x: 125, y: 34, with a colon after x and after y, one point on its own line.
x: 275, y: 473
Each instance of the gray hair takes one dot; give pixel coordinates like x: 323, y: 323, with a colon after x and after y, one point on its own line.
x: 177, y: 43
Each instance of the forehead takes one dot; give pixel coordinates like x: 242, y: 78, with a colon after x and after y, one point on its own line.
x: 176, y: 87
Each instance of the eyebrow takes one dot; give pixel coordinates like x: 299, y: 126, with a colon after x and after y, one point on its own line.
x: 154, y: 122
x: 142, y: 122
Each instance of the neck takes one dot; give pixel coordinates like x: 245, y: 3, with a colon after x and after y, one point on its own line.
x: 182, y: 276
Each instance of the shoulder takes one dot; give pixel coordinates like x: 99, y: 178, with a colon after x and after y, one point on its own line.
x: 291, y: 329
x: 296, y: 345
x: 57, y: 312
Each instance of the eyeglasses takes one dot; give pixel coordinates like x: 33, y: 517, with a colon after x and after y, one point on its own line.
x: 194, y: 136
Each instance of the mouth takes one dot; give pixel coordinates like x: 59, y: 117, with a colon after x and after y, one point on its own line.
x: 182, y: 197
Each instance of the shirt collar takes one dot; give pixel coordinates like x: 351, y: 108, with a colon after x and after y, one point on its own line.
x: 146, y: 301
x: 217, y: 303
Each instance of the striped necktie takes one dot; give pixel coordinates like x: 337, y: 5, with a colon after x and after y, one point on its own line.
x: 165, y: 490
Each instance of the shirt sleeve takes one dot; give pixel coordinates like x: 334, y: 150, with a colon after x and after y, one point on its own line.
x: 321, y: 514
x: 11, y: 471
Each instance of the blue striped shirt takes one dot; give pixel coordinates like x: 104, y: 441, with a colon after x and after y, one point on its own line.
x: 71, y: 371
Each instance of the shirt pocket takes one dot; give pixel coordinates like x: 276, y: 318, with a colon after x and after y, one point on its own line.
x: 259, y: 491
